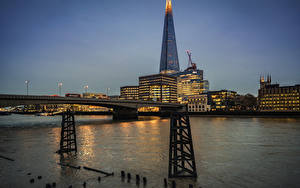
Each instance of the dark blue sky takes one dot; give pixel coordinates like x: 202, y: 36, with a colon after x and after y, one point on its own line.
x: 105, y: 43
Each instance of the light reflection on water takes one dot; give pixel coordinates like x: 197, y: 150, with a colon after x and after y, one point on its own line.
x: 230, y: 152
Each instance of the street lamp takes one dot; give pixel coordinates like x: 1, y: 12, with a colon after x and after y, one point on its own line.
x: 59, y: 88
x: 27, y: 83
x: 86, y: 88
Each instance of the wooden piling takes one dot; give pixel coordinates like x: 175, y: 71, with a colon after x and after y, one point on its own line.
x: 144, y: 180
x: 71, y: 166
x: 165, y: 182
x: 7, y: 158
x: 173, y: 184
x: 122, y: 174
x: 100, y: 171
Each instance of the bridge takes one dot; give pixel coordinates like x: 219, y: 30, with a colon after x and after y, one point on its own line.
x: 122, y: 109
x: 181, y: 152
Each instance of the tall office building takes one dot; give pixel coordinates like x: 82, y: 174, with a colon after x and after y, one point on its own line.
x: 158, y: 87
x: 129, y: 92
x: 190, y: 81
x: 169, y: 58
x: 223, y: 100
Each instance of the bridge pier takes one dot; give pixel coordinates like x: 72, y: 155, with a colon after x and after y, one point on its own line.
x: 125, y: 113
x: 181, y: 151
x: 68, y: 133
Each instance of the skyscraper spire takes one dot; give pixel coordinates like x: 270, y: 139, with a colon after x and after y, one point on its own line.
x: 168, y: 6
x: 169, y: 58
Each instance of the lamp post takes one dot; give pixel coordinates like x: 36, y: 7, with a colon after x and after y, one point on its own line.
x: 27, y: 83
x: 59, y: 88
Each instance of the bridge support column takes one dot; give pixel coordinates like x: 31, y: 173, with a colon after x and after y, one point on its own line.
x: 68, y: 133
x: 125, y: 113
x: 181, y: 152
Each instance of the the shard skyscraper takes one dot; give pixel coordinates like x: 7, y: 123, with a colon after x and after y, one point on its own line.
x: 169, y: 58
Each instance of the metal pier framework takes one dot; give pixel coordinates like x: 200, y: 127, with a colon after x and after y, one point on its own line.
x: 68, y: 133
x: 181, y: 151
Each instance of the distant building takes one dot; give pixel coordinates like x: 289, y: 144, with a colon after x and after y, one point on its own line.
x: 95, y: 95
x: 158, y: 87
x: 272, y: 97
x: 129, y: 92
x: 198, y: 103
x: 190, y: 83
x: 114, y: 97
x: 223, y: 100
x: 87, y: 108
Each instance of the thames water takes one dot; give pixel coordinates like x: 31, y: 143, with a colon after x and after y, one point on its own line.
x: 229, y: 151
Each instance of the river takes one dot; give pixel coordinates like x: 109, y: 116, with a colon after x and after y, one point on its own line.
x: 229, y: 151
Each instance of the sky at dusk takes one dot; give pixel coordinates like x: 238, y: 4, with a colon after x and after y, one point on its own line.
x: 108, y: 44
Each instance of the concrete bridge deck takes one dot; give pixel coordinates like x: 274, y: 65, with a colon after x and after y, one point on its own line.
x: 122, y: 108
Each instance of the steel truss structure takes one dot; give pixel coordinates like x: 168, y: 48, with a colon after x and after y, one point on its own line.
x: 181, y: 152
x: 68, y: 133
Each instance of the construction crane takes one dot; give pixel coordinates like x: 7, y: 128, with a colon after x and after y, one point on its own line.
x: 191, y: 65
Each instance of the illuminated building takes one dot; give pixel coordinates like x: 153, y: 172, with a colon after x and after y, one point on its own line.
x: 158, y: 87
x: 169, y: 58
x: 148, y: 109
x: 272, y: 97
x: 88, y: 108
x: 95, y: 95
x: 223, y: 100
x: 129, y: 92
x: 198, y: 103
x: 114, y: 97
x: 190, y: 82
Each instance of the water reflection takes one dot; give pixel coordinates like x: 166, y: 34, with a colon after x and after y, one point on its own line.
x: 86, y: 141
x: 56, y: 134
x: 230, y: 152
x: 68, y: 159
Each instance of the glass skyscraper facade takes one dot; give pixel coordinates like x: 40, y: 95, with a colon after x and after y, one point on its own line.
x: 158, y: 87
x: 169, y: 58
x: 129, y: 92
x: 190, y: 83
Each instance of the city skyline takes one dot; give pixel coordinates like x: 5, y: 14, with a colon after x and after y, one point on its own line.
x: 90, y: 43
